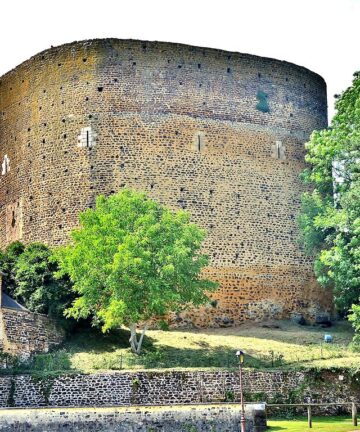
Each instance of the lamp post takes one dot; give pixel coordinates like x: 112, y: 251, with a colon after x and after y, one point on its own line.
x: 240, y: 356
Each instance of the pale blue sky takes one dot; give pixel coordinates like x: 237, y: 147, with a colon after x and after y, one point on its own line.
x: 322, y: 35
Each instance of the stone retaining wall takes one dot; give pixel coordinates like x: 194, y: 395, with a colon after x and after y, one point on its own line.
x: 23, y: 332
x: 165, y: 419
x: 161, y: 388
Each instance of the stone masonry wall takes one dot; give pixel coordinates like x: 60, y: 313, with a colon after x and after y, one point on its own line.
x: 217, y: 133
x: 162, y: 388
x: 208, y: 418
x: 23, y: 332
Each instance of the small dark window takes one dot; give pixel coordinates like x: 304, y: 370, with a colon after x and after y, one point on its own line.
x: 100, y: 89
x: 13, y: 220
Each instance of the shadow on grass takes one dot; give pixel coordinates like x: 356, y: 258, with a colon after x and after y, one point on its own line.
x: 287, y: 332
x: 170, y: 357
x: 92, y: 340
x: 113, y: 352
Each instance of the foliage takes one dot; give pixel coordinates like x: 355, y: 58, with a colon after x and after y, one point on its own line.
x: 355, y: 319
x: 132, y: 260
x: 330, y: 217
x: 29, y: 277
x: 36, y: 286
x: 8, y: 259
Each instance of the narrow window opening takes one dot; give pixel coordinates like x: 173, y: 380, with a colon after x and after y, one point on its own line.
x: 5, y: 166
x: 199, y: 143
x: 87, y: 138
x: 278, y: 151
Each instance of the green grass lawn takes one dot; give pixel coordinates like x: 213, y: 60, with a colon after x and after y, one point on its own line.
x: 323, y: 424
x: 287, y: 347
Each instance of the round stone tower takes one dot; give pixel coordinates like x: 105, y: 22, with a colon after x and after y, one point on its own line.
x: 217, y: 133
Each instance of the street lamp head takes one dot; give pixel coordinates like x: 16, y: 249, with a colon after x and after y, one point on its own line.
x: 240, y: 356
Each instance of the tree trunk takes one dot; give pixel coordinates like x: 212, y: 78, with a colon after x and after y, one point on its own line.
x: 136, y: 343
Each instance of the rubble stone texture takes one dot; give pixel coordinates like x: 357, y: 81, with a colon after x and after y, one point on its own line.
x: 23, y: 333
x: 217, y: 133
x: 204, y: 418
x: 177, y: 387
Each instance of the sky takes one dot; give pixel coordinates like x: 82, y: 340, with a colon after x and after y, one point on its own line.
x: 322, y: 35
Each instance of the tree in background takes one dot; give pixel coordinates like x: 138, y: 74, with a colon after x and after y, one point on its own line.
x: 36, y: 285
x: 132, y: 260
x: 8, y: 259
x: 30, y: 279
x: 330, y: 217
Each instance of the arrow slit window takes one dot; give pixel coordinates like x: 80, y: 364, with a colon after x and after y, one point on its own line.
x: 278, y: 150
x: 5, y: 166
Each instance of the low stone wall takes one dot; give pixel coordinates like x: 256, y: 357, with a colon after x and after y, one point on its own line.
x: 161, y: 388
x: 209, y: 418
x: 23, y: 332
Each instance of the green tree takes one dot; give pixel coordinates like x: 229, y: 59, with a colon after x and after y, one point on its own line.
x: 132, y: 260
x: 36, y: 285
x: 330, y: 217
x: 355, y: 318
x: 8, y: 260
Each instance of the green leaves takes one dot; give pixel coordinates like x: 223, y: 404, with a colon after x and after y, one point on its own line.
x: 330, y: 215
x: 30, y: 279
x: 132, y: 260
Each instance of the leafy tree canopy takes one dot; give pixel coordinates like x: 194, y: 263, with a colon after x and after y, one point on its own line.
x: 330, y: 218
x: 36, y: 285
x: 29, y: 277
x: 132, y: 260
x: 8, y: 259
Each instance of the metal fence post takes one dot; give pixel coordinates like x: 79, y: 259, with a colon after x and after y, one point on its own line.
x: 309, y: 416
x: 354, y: 414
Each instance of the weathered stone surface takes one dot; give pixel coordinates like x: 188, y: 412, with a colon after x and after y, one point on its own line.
x: 180, y: 387
x: 185, y: 125
x: 23, y: 333
x: 323, y: 318
x: 298, y: 318
x: 211, y: 418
